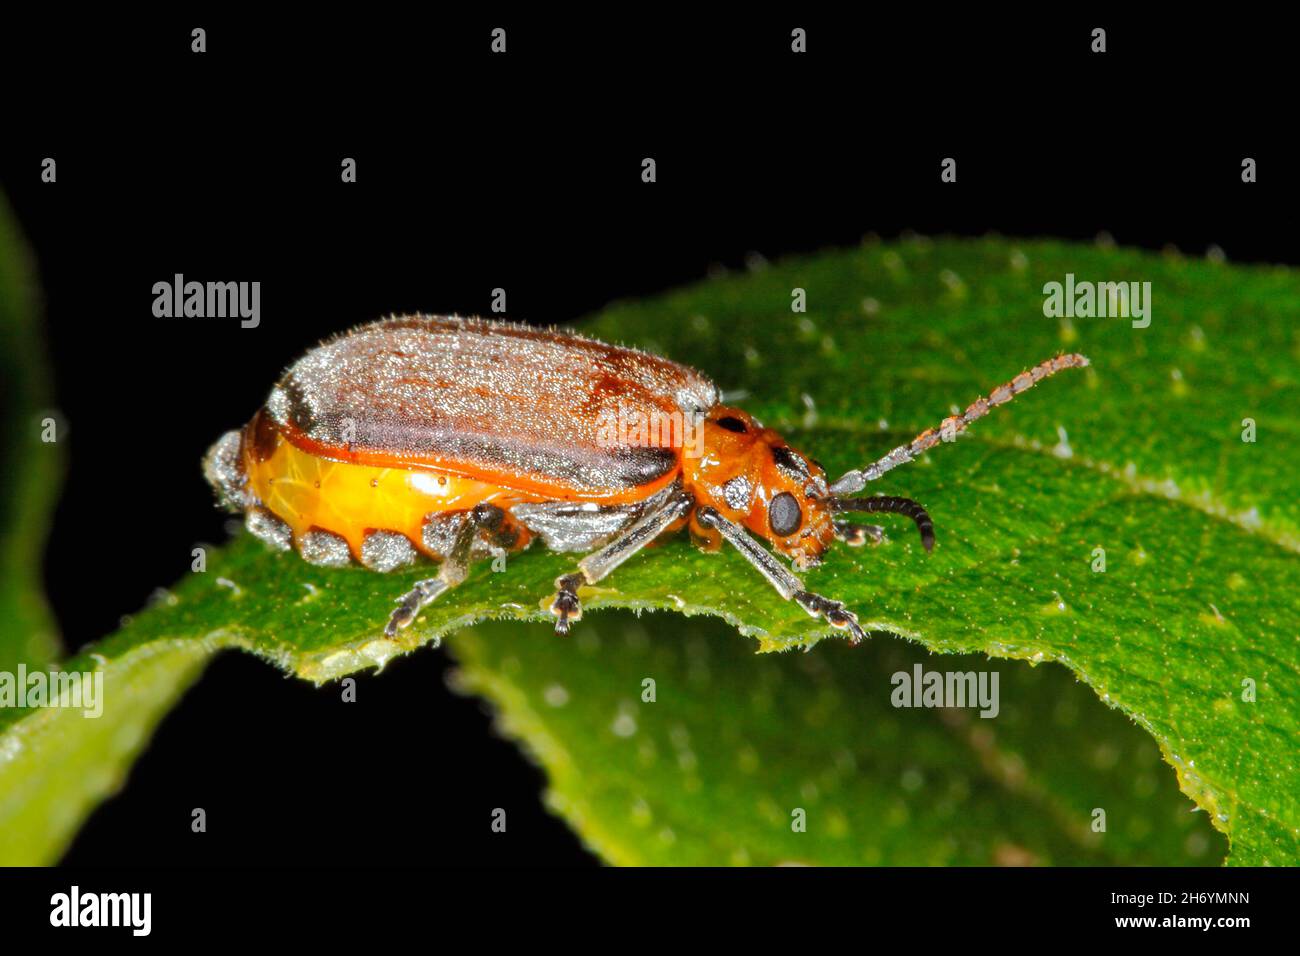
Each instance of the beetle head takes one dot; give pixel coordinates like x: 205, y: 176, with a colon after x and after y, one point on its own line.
x: 750, y: 475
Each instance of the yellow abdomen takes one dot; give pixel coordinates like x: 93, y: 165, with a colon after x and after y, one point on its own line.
x: 310, y: 493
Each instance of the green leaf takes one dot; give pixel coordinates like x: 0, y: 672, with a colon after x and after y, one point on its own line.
x: 735, y: 747
x: 1141, y: 455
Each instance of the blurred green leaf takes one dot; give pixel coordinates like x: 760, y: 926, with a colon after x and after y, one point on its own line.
x: 30, y: 469
x: 56, y: 764
x: 1141, y: 456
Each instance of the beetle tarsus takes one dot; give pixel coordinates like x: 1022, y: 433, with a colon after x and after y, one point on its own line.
x: 892, y: 504
x: 411, y: 603
x: 834, y: 612
x: 566, y: 606
x: 856, y: 535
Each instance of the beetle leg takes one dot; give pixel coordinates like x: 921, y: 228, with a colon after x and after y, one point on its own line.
x: 786, y: 583
x: 454, y: 568
x: 596, y: 565
x: 856, y: 535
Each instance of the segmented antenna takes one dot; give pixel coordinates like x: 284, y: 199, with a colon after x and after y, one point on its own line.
x: 853, y: 481
x: 891, y: 504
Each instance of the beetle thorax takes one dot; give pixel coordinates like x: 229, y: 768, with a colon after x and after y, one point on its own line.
x: 750, y: 475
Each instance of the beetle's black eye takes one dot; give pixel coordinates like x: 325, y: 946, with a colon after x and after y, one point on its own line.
x: 783, y: 514
x: 732, y: 424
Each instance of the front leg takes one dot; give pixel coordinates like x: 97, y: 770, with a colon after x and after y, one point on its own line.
x: 566, y: 606
x: 786, y: 583
x: 835, y: 613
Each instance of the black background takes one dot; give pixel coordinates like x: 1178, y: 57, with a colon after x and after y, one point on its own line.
x: 522, y: 172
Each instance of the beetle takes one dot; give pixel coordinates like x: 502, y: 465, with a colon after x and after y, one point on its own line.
x: 462, y: 438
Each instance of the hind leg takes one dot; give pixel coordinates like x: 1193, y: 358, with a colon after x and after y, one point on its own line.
x: 485, y: 521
